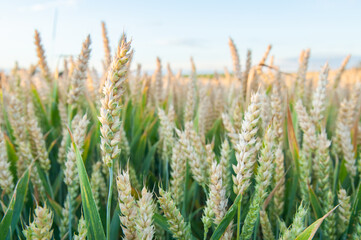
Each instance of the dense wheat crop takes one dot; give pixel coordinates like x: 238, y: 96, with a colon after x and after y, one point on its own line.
x: 255, y: 153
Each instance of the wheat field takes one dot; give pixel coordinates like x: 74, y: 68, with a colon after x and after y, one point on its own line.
x: 251, y: 153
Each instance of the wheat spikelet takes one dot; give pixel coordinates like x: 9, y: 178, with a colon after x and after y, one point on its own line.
x: 6, y: 178
x: 263, y: 180
x: 41, y: 58
x: 71, y: 178
x: 225, y: 162
x: 127, y: 206
x: 323, y: 173
x: 77, y: 81
x: 38, y: 139
x: 40, y: 228
x: 107, y: 54
x: 347, y: 150
x: 82, y: 230
x: 319, y: 97
x: 343, y: 211
x: 177, y: 226
x: 110, y: 109
x: 266, y: 226
x: 279, y: 179
x: 144, y: 222
x: 178, y: 169
x: 246, y: 147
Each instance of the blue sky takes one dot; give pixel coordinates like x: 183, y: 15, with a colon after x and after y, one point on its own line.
x: 176, y: 30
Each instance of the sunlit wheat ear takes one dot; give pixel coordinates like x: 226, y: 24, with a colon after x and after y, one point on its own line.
x: 204, y: 110
x: 225, y: 162
x: 347, y: 150
x: 263, y: 181
x: 127, y: 206
x: 111, y: 107
x: 40, y: 228
x: 6, y: 177
x: 191, y: 100
x: 354, y: 105
x: 231, y: 132
x: 266, y: 114
x: 246, y: 73
x: 324, y: 167
x: 41, y: 58
x: 299, y: 86
x: 144, y: 222
x: 178, y: 169
x: 341, y: 121
x: 16, y: 115
x: 340, y: 71
x: 279, y: 180
x: 237, y: 113
x: 277, y: 109
x: 166, y: 130
x: 307, y: 126
x: 319, y: 97
x: 107, y: 54
x: 71, y: 178
x: 329, y: 227
x: 343, y: 211
x: 195, y: 153
x: 235, y: 59
x: 246, y: 148
x: 38, y: 139
x: 82, y: 230
x: 177, y: 225
x: 77, y: 81
x: 158, y: 83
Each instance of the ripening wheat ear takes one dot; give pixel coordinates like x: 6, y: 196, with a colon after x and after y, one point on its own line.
x: 277, y: 109
x: 144, y: 222
x: 324, y: 167
x: 158, y: 83
x: 40, y: 228
x: 178, y: 166
x: 191, y: 95
x: 279, y: 179
x: 38, y: 139
x: 42, y: 59
x: 319, y: 97
x: 77, y: 81
x: 107, y: 54
x: 298, y: 224
x: 127, y: 206
x: 235, y: 58
x: 343, y: 211
x: 247, y: 147
x: 6, y: 178
x: 166, y: 134
x: 299, y: 86
x: 347, y: 150
x: 111, y: 107
x: 340, y: 71
x: 309, y: 137
x: 177, y: 226
x: 82, y: 230
x: 263, y: 180
x: 71, y: 178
